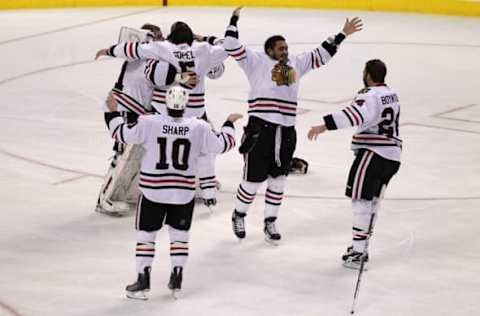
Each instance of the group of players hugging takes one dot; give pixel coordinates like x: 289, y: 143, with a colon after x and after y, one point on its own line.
x: 165, y: 146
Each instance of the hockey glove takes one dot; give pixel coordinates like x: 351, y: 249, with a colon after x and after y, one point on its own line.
x: 249, y: 139
x: 298, y: 165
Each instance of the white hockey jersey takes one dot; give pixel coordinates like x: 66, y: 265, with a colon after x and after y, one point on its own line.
x: 172, y: 146
x: 199, y: 57
x: 132, y: 90
x: 266, y: 100
x: 376, y: 112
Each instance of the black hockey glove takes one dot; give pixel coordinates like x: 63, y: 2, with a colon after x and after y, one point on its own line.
x: 249, y: 138
x: 298, y: 165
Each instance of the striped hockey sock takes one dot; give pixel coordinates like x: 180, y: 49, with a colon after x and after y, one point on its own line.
x: 245, y: 195
x: 178, y: 247
x: 144, y: 252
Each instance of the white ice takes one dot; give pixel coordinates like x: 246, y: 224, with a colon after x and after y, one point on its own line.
x: 58, y: 257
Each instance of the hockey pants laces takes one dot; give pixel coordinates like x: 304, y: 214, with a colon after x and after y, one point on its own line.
x: 278, y: 143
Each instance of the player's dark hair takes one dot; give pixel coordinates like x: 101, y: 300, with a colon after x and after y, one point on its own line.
x: 180, y: 33
x: 377, y: 70
x: 271, y: 41
x: 175, y: 113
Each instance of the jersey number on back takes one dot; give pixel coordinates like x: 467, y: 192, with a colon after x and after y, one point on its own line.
x: 181, y: 146
x: 389, y: 125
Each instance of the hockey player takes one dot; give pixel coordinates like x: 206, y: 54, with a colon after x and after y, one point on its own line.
x: 189, y: 56
x: 375, y: 112
x: 270, y: 138
x: 134, y: 94
x: 172, y: 146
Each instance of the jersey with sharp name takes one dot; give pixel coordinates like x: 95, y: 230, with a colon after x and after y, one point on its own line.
x: 266, y: 100
x: 199, y: 58
x: 172, y: 146
x: 376, y: 112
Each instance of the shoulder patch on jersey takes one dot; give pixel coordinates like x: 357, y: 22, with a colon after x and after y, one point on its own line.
x: 359, y: 102
x: 364, y: 90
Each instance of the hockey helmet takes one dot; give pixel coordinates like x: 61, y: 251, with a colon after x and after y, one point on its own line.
x: 176, y: 98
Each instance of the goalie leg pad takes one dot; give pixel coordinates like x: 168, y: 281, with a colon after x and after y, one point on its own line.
x: 120, y: 183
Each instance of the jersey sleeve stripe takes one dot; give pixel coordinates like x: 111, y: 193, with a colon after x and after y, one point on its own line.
x: 359, y: 113
x: 357, y: 120
x: 348, y: 116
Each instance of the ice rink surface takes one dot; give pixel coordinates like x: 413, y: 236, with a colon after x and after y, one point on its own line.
x: 59, y: 257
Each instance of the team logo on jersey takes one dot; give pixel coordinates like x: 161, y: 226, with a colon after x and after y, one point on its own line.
x: 359, y: 102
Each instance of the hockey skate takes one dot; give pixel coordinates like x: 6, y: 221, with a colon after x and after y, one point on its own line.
x: 238, y: 224
x: 272, y: 236
x: 352, y: 259
x: 210, y: 203
x: 175, y: 283
x: 138, y: 289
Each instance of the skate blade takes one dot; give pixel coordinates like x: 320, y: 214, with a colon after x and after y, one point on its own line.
x: 140, y: 295
x: 211, y: 208
x: 354, y: 266
x: 176, y: 294
x: 272, y: 242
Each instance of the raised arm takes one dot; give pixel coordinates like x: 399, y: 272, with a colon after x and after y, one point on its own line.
x: 136, y: 50
x: 322, y: 54
x: 243, y: 55
x: 362, y: 111
x: 224, y: 141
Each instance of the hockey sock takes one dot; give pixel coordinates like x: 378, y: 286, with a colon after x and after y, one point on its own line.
x: 274, y: 195
x: 362, y: 210
x: 145, y: 250
x: 208, y: 185
x: 245, y: 195
x: 206, y: 175
x: 178, y: 246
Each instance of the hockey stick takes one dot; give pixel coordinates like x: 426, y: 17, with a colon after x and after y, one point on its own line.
x: 362, y: 264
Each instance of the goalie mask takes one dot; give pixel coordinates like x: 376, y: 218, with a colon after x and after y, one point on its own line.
x: 176, y: 98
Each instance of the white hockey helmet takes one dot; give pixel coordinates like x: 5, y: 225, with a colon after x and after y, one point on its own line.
x: 176, y: 98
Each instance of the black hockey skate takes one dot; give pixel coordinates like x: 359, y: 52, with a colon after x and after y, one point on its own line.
x: 238, y: 224
x: 352, y: 259
x: 175, y: 283
x: 138, y: 289
x: 210, y: 203
x: 272, y: 236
